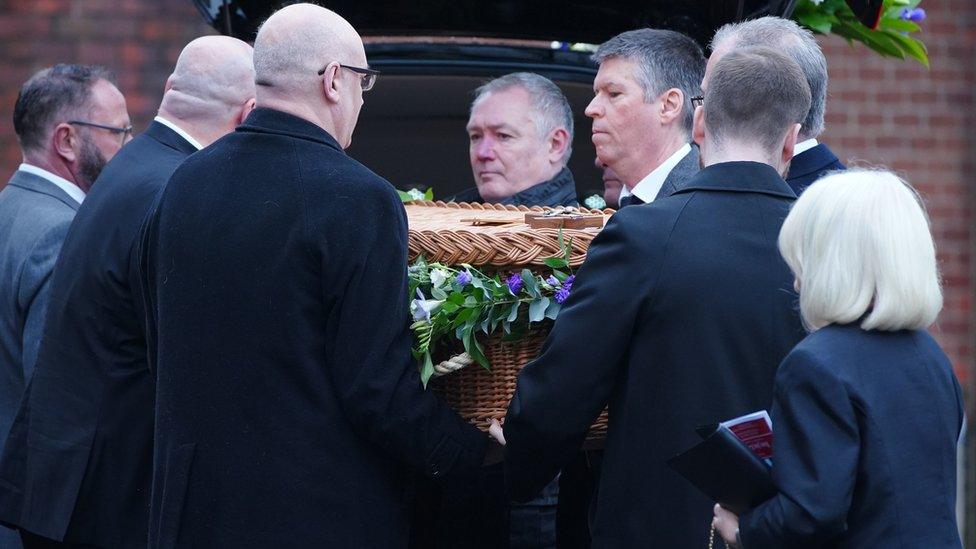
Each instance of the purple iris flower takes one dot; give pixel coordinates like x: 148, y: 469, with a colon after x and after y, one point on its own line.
x: 463, y: 278
x: 562, y: 294
x: 552, y: 281
x: 514, y: 283
x: 916, y: 15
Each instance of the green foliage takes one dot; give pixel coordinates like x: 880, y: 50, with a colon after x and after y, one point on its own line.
x: 414, y: 194
x: 461, y: 304
x: 892, y: 38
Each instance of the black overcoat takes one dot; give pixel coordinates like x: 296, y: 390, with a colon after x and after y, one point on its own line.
x: 77, y: 463
x: 678, y: 318
x: 288, y: 404
x: 811, y: 165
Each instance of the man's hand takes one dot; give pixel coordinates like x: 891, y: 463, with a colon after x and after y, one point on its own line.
x: 727, y: 524
x: 496, y: 444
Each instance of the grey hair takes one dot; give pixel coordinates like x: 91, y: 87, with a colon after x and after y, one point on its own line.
x: 550, y: 108
x: 665, y: 59
x: 755, y: 95
x: 54, y: 95
x: 789, y: 38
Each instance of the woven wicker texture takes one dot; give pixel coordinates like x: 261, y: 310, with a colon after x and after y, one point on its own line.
x: 478, y: 395
x: 437, y: 233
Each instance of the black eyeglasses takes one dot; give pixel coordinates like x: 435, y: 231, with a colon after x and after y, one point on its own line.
x: 698, y: 101
x: 125, y: 132
x: 368, y: 75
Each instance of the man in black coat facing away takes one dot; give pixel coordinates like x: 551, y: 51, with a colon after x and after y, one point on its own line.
x: 77, y: 465
x: 811, y: 159
x: 708, y: 315
x: 288, y: 403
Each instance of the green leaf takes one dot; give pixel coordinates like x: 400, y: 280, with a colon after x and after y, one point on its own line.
x: 817, y: 21
x: 899, y: 25
x: 914, y: 48
x: 438, y: 293
x: 556, y: 262
x: 560, y: 276
x: 470, y: 302
x: 513, y: 312
x: 404, y: 197
x: 429, y: 195
x: 537, y: 309
x: 529, y: 283
x: 553, y: 309
x: 427, y: 370
x: 449, y: 307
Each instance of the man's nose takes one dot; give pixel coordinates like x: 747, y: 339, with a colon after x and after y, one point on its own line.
x: 595, y: 108
x: 485, y: 149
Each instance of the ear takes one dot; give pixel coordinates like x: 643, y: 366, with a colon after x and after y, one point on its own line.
x: 330, y: 82
x: 672, y: 104
x: 246, y: 110
x: 698, y: 130
x: 789, y: 144
x: 66, y: 142
x: 558, y: 143
x: 169, y: 84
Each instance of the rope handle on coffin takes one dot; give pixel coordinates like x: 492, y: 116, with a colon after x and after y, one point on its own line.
x: 452, y: 364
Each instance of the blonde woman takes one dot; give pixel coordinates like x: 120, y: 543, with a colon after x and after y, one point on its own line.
x: 867, y: 411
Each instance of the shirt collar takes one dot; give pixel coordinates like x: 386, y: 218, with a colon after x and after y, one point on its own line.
x: 648, y: 188
x: 73, y: 190
x: 179, y: 131
x: 804, y: 146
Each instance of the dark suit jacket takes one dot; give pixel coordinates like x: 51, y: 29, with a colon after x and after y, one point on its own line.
x: 866, y: 425
x: 811, y: 165
x: 678, y: 318
x: 558, y: 191
x: 77, y: 464
x: 287, y: 402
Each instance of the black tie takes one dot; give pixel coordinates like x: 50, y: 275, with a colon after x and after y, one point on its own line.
x: 630, y: 200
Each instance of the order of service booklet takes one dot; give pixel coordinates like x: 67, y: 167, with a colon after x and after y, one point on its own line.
x: 731, y: 464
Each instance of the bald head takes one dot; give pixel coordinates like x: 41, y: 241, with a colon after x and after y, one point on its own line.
x: 214, y: 75
x: 298, y: 41
x: 302, y: 59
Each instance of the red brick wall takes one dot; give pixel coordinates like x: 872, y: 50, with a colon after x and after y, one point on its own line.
x: 138, y: 39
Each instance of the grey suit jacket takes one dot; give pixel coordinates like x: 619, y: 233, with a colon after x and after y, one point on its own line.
x: 682, y: 172
x: 34, y: 219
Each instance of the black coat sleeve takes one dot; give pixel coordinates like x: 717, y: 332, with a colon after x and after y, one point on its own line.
x: 560, y: 394
x: 816, y: 449
x: 373, y: 371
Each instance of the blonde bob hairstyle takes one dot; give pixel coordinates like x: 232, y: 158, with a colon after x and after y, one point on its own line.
x: 859, y: 242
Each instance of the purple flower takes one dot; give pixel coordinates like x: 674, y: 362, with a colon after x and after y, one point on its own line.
x: 562, y: 294
x: 463, y: 278
x: 916, y: 15
x: 568, y: 283
x: 552, y: 281
x: 514, y: 283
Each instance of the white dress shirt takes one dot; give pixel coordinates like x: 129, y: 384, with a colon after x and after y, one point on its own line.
x: 179, y: 130
x: 73, y: 190
x: 648, y: 188
x: 804, y: 146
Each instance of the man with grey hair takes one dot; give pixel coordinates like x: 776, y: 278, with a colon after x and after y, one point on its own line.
x: 87, y: 416
x: 288, y: 404
x: 812, y: 159
x: 708, y: 314
x: 70, y: 120
x: 521, y: 135
x: 642, y: 112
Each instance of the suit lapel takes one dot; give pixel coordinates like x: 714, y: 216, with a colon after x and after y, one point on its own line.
x: 169, y: 138
x: 812, y: 161
x: 37, y: 184
x: 682, y: 172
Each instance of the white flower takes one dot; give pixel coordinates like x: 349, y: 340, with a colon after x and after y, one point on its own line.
x: 817, y: 2
x: 415, y: 194
x: 422, y: 308
x: 595, y: 202
x: 438, y: 277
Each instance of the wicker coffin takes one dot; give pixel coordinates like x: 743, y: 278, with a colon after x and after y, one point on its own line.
x: 491, y: 237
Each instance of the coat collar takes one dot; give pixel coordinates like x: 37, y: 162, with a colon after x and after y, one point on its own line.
x: 812, y: 161
x: 265, y: 120
x: 168, y: 137
x: 38, y: 184
x: 749, y: 177
x: 558, y: 191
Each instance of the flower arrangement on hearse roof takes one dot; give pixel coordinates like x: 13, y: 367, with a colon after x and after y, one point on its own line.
x: 454, y: 304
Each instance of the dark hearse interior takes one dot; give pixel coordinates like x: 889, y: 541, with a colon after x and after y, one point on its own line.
x: 433, y: 55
